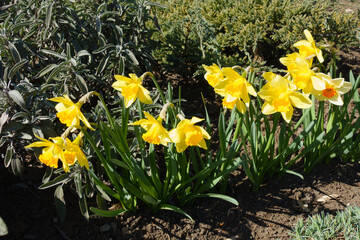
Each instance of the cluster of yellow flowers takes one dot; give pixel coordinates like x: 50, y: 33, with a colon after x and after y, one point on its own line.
x: 186, y: 132
x: 281, y: 94
x: 62, y: 148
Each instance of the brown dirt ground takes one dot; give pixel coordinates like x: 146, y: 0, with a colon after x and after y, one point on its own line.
x: 267, y: 214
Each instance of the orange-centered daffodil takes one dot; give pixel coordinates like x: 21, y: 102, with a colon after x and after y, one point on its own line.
x: 280, y: 96
x: 187, y: 134
x: 156, y: 133
x: 307, y: 48
x: 69, y: 112
x: 131, y: 88
x: 326, y: 88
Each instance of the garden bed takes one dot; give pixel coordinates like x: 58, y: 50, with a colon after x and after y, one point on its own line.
x: 267, y: 214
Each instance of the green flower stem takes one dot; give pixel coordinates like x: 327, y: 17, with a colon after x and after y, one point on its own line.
x: 108, y: 114
x: 109, y: 170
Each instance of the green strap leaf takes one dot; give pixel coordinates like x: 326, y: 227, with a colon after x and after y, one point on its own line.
x: 175, y: 209
x: 220, y: 196
x: 107, y: 213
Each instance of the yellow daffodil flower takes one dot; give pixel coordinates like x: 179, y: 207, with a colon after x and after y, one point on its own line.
x: 280, y: 97
x: 187, y: 134
x: 213, y: 74
x: 74, y: 153
x: 300, y: 70
x: 326, y: 88
x: 156, y: 133
x: 52, y: 152
x: 235, y: 90
x: 69, y: 112
x: 131, y: 88
x: 307, y: 48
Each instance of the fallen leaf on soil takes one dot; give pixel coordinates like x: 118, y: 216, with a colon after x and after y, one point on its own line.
x: 300, y: 206
x: 326, y: 198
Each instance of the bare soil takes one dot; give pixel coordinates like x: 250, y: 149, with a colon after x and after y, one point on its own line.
x: 267, y: 214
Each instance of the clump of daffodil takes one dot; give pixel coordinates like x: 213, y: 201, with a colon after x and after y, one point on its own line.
x: 156, y: 133
x: 131, y: 89
x: 213, y: 74
x: 326, y: 88
x: 69, y: 113
x: 51, y: 153
x: 280, y: 96
x: 235, y: 90
x: 307, y: 48
x: 187, y: 134
x: 300, y: 70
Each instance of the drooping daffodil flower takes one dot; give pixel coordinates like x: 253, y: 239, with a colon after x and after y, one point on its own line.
x: 132, y: 89
x: 52, y: 152
x: 69, y: 113
x: 73, y: 152
x: 307, y: 48
x: 156, y: 133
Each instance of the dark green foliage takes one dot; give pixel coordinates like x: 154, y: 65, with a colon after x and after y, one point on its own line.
x: 242, y: 32
x: 51, y: 48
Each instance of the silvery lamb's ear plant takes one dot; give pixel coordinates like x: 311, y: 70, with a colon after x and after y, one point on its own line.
x: 344, y: 225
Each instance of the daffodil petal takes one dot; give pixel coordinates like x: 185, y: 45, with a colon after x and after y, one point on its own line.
x: 346, y: 87
x: 268, y: 109
x: 302, y: 43
x: 288, y: 114
x: 181, y: 146
x: 240, y: 106
x: 205, y: 133
x: 268, y: 76
x: 336, y: 100
x: 144, y: 96
x: 299, y: 100
x: 202, y: 144
x: 318, y: 84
